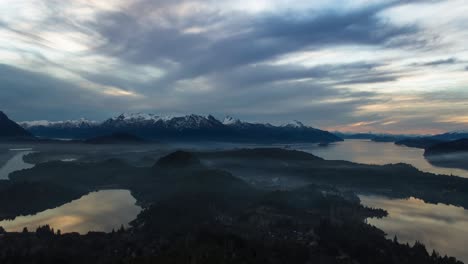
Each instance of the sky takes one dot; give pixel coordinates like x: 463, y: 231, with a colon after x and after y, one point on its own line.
x: 357, y: 66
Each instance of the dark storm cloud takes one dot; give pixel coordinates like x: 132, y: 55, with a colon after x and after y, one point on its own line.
x: 210, y: 59
x: 278, y: 101
x: 231, y: 59
x: 257, y: 40
x: 27, y: 95
x: 271, y: 93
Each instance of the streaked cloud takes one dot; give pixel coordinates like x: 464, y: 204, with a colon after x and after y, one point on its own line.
x: 357, y: 65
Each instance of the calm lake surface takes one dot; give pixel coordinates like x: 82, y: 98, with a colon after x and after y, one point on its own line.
x: 355, y: 150
x: 97, y: 211
x: 368, y: 152
x: 15, y: 163
x: 441, y: 227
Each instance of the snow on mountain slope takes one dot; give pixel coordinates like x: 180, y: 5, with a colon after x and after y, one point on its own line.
x: 145, y: 119
x: 59, y: 124
x: 187, y: 127
x: 194, y: 121
x: 176, y: 122
x: 294, y: 124
x: 229, y: 121
x: 140, y: 117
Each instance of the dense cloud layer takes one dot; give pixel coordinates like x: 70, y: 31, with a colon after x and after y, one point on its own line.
x: 335, y: 65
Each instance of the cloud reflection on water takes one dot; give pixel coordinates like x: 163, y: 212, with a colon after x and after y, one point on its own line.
x: 98, y: 211
x: 440, y: 227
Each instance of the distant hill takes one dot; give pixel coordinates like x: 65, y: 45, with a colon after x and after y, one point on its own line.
x: 453, y: 135
x: 381, y: 137
x: 181, y: 128
x: 456, y: 146
x: 178, y: 159
x: 354, y: 135
x: 389, y: 138
x: 429, y: 141
x: 115, y: 138
x: 422, y: 142
x: 9, y: 129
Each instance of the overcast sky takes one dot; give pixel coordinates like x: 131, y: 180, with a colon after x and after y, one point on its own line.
x: 394, y: 66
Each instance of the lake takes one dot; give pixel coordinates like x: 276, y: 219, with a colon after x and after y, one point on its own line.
x: 98, y: 211
x: 355, y: 150
x: 369, y: 152
x: 15, y: 163
x: 438, y: 226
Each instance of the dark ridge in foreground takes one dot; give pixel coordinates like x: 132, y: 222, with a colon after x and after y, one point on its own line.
x: 259, y: 236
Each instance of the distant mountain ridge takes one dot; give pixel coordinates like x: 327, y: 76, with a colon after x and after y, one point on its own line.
x: 459, y: 145
x: 10, y: 129
x: 59, y: 124
x: 453, y: 135
x: 188, y: 127
x: 429, y: 141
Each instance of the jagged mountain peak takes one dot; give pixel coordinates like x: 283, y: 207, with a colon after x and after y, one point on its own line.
x: 295, y: 124
x: 82, y: 122
x: 229, y: 120
x: 140, y: 117
x: 191, y: 121
x: 182, y: 127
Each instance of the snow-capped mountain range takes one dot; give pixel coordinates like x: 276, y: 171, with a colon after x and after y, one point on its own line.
x: 59, y: 124
x: 174, y: 122
x: 188, y: 121
x: 188, y: 127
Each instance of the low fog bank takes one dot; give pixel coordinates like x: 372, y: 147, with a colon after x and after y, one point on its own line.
x: 451, y: 160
